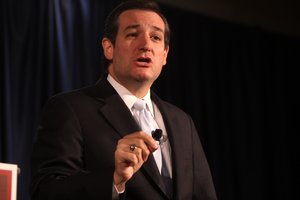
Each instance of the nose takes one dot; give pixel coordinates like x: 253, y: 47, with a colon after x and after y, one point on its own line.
x: 145, y: 43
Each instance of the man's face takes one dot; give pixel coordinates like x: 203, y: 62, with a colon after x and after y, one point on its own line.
x: 139, y: 51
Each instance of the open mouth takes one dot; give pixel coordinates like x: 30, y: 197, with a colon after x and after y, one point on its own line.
x: 144, y: 60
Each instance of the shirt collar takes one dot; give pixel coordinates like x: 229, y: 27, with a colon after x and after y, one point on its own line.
x: 127, y: 96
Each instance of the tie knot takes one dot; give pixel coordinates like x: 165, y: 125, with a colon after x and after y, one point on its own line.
x: 139, y: 104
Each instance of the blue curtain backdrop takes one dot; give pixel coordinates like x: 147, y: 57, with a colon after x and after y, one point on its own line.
x: 239, y: 83
x: 48, y: 47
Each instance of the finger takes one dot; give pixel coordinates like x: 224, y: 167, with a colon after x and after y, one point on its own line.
x: 151, y: 143
x: 141, y: 150
x: 123, y: 168
x: 128, y: 162
x: 129, y: 158
x: 146, y: 149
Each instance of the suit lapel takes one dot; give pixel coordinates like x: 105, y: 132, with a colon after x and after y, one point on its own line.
x: 172, y: 125
x: 149, y: 168
x: 121, y: 120
x: 113, y: 109
x: 118, y: 115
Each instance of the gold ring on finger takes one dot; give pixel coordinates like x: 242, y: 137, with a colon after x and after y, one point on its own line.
x: 132, y: 147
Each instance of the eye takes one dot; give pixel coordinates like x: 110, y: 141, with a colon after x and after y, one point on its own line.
x: 131, y: 35
x: 156, y: 38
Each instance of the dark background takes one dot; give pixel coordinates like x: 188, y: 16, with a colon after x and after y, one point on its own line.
x: 238, y: 81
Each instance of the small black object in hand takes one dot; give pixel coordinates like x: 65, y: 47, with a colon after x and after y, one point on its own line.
x: 157, y: 134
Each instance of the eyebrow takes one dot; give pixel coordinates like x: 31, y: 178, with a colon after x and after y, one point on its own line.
x: 135, y: 26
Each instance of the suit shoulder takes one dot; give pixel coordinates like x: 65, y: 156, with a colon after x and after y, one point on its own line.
x: 74, y: 97
x: 88, y: 91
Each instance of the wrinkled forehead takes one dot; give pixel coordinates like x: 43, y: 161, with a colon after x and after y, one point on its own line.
x: 136, y: 18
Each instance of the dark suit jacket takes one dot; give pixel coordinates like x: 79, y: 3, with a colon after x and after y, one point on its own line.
x: 73, y: 155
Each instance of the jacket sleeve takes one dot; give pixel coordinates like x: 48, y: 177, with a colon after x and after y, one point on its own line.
x: 58, y: 168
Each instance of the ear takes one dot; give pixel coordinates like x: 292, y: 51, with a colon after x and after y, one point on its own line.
x: 108, y: 48
x: 166, y: 51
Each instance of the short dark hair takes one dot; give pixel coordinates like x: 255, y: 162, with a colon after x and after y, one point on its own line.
x: 111, y: 24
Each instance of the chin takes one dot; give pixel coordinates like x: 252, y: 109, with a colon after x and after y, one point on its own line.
x: 143, y: 78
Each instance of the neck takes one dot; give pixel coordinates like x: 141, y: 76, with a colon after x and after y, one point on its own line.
x: 136, y: 87
x: 139, y: 92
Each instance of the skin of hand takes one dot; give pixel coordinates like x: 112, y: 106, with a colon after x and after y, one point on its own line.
x: 128, y: 162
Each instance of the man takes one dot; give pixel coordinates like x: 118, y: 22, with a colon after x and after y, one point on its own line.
x: 90, y: 144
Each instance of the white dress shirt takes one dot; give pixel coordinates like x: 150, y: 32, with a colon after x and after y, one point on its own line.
x: 129, y: 99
